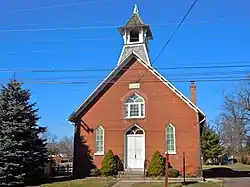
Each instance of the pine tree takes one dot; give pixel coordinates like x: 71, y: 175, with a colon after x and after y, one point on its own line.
x: 156, y: 166
x: 210, y: 143
x: 108, y: 164
x: 22, y: 151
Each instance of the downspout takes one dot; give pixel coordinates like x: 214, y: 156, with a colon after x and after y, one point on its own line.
x: 74, y: 149
x: 203, y: 120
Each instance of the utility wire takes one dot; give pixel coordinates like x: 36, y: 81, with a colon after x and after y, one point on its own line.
x: 183, y: 75
x: 83, y: 27
x: 61, y: 5
x: 108, y: 69
x: 168, y: 41
x: 91, y: 82
x: 122, y: 83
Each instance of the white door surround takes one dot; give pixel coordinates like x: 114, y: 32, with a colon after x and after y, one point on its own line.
x: 134, y: 147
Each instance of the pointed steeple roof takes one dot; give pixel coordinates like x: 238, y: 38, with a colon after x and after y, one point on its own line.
x: 135, y: 18
x: 135, y: 21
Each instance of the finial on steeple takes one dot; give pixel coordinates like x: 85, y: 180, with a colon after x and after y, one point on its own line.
x: 136, y: 11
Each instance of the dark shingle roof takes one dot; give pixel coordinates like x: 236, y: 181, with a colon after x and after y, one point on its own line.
x: 135, y: 20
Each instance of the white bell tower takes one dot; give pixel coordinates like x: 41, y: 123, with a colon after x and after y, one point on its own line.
x: 135, y: 37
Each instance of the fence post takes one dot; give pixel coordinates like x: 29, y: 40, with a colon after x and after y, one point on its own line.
x: 118, y: 168
x: 184, y: 169
x: 144, y: 169
x: 166, y: 170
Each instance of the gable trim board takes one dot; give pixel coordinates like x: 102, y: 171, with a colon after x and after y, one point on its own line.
x: 109, y: 78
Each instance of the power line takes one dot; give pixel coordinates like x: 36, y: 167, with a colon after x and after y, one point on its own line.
x: 109, y: 69
x: 175, y: 31
x: 73, y: 39
x: 61, y: 5
x: 84, y: 27
x: 121, y: 83
x: 114, y: 26
x: 87, y: 82
x: 180, y: 75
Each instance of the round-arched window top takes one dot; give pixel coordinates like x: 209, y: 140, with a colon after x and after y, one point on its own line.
x: 135, y: 107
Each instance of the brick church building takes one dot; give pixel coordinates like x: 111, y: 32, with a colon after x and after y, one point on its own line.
x: 135, y: 111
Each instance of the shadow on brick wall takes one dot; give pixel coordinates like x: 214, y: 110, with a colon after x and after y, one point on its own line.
x: 83, y: 161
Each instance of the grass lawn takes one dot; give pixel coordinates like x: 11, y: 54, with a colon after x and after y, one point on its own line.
x: 237, y: 166
x: 176, y: 185
x: 83, y: 183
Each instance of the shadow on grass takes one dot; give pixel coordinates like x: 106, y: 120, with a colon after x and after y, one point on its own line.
x: 189, y: 182
x: 221, y: 172
x: 49, y: 180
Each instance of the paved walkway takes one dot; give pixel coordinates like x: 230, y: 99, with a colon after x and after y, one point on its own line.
x: 123, y: 184
x: 239, y: 182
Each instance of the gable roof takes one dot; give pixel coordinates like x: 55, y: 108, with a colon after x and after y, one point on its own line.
x: 115, y: 72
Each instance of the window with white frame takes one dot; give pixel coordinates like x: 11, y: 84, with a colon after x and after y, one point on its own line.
x: 99, y: 140
x: 135, y: 107
x: 170, y: 139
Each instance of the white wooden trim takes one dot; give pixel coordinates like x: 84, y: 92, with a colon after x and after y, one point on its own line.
x: 146, y: 51
x: 171, y: 152
x: 135, y: 44
x: 134, y: 125
x: 99, y: 153
x: 119, y: 61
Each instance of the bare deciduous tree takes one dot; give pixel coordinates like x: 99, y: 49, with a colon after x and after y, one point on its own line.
x: 66, y: 146
x: 52, y: 144
x: 233, y: 123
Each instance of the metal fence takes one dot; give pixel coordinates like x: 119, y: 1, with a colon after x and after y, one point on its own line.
x: 62, y: 169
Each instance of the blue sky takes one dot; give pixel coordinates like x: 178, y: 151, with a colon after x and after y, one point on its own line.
x: 215, y: 33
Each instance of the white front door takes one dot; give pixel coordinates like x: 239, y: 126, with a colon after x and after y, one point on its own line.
x: 135, y: 151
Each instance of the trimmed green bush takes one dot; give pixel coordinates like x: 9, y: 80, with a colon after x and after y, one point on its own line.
x: 95, y: 172
x: 108, y: 164
x: 173, y: 172
x: 156, y: 166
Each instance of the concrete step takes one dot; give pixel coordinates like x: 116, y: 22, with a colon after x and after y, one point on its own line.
x: 131, y: 174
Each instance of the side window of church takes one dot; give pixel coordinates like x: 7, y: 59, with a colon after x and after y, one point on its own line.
x: 170, y: 139
x: 99, y: 140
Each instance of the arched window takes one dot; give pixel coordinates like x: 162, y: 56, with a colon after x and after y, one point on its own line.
x: 170, y: 139
x: 135, y: 107
x: 99, y: 142
x: 134, y: 36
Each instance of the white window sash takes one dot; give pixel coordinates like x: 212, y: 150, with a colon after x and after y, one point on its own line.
x: 171, y: 141
x: 128, y: 107
x: 99, y: 147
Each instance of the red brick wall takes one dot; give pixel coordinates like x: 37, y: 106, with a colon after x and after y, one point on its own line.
x: 162, y: 106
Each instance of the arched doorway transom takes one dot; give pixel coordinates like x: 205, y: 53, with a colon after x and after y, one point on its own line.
x: 134, y: 147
